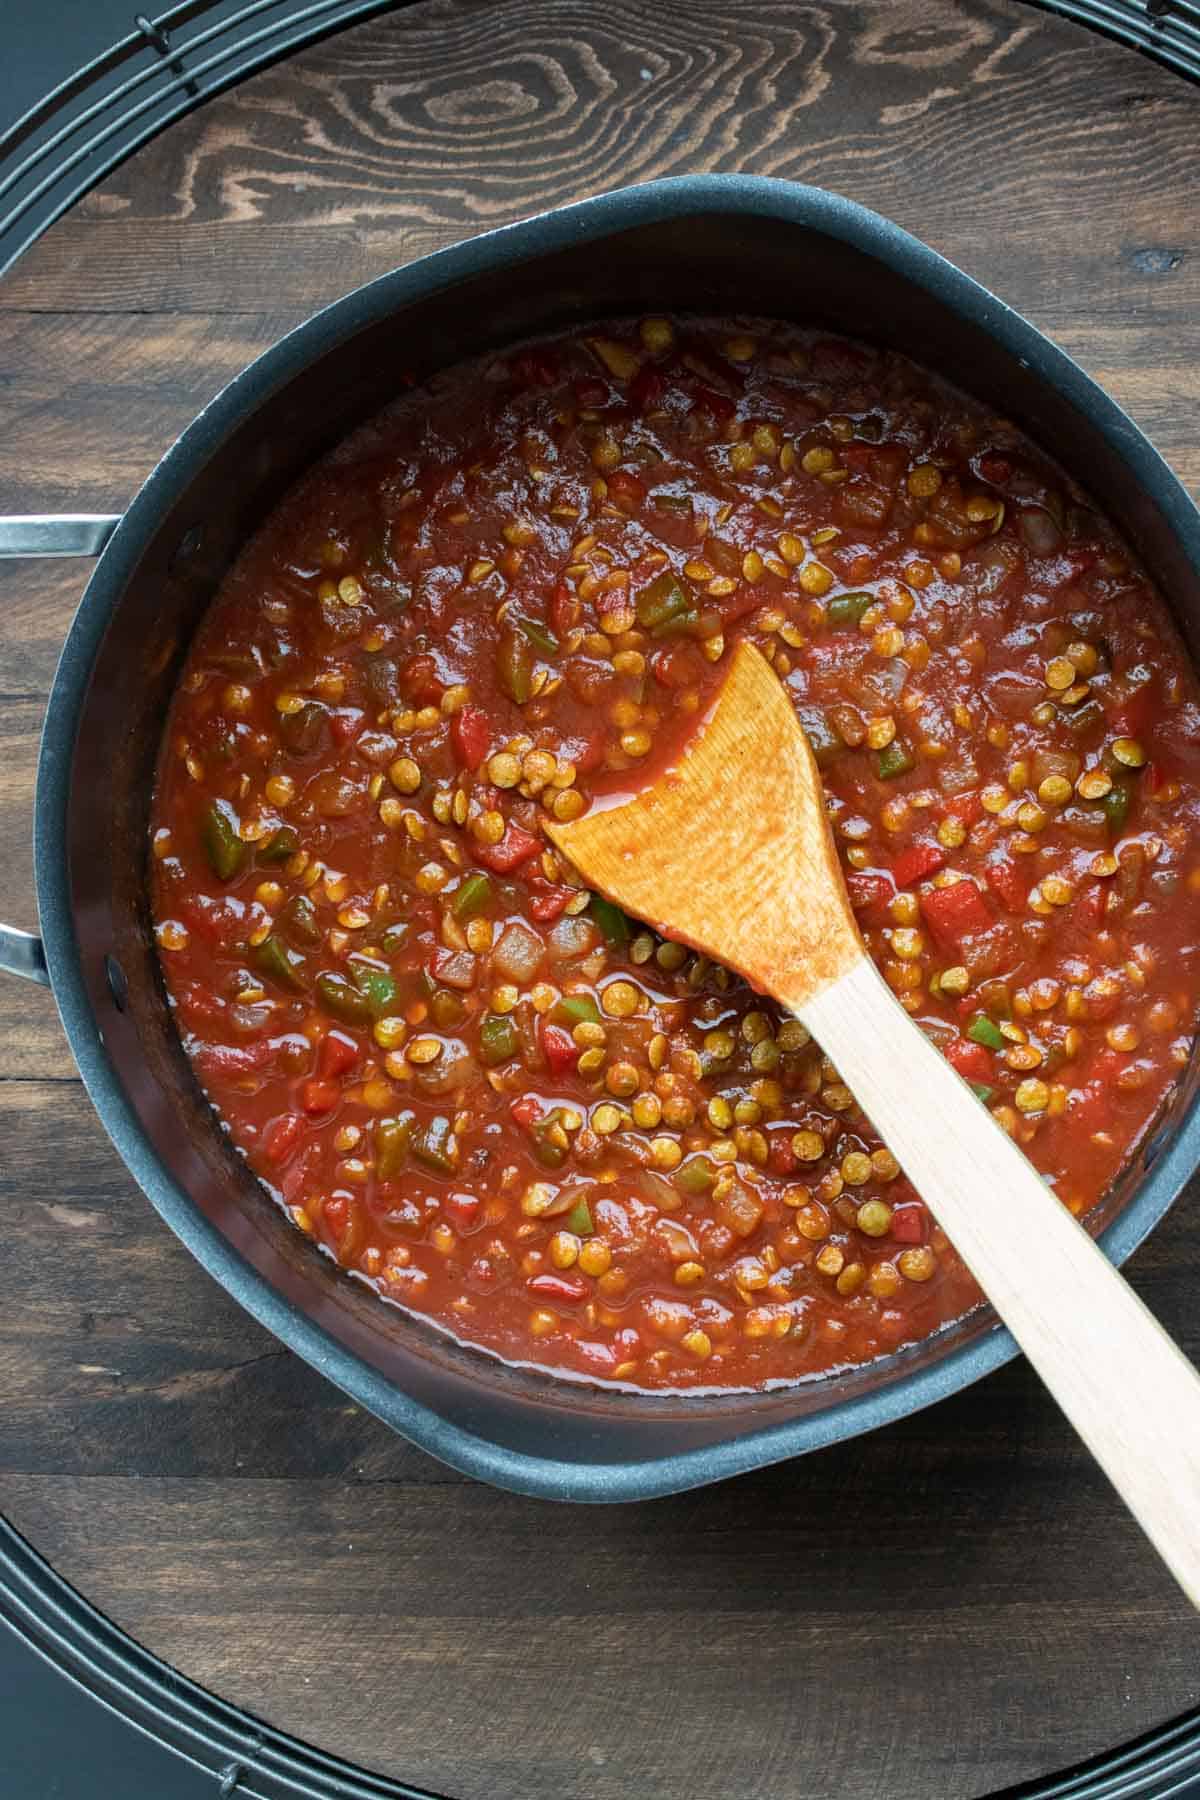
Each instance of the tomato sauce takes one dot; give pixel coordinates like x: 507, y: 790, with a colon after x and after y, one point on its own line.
x: 487, y: 1092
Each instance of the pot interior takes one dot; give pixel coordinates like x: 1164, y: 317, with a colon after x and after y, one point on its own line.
x: 216, y: 488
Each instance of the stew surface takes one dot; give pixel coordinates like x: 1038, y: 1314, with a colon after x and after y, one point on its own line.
x: 487, y: 1092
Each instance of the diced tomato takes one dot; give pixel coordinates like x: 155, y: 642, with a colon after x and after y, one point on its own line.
x: 550, y: 905
x: 590, y: 390
x: 564, y: 610
x: 996, y: 469
x: 1092, y: 905
x: 909, y: 1223
x: 346, y: 723
x: 337, y: 1054
x: 971, y: 1060
x: 317, y: 1097
x: 967, y: 808
x: 470, y: 736
x: 1008, y: 881
x: 281, y: 1137
x: 220, y: 921
x: 334, y: 1214
x: 420, y: 682
x: 525, y: 1111
x: 916, y: 863
x: 586, y: 753
x: 674, y: 666
x: 781, y: 1158
x: 566, y: 1289
x: 625, y: 490
x: 1090, y: 1107
x: 1133, y: 714
x: 955, y: 913
x: 866, y: 891
x: 514, y: 848
x: 1155, y: 776
x: 559, y: 1048
x: 233, y: 1060
x: 646, y: 389
x: 463, y: 1210
x: 719, y: 405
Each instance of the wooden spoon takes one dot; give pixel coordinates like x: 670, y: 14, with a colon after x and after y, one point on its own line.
x: 729, y: 849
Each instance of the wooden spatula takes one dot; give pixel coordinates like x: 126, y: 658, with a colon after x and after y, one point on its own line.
x: 729, y: 850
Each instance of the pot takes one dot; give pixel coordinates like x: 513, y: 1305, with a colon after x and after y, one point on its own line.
x: 708, y: 244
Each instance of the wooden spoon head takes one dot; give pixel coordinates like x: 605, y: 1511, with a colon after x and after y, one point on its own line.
x: 728, y: 848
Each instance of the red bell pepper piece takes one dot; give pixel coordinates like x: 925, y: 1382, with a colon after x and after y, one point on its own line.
x: 525, y: 1111
x: 625, y: 490
x: 967, y: 808
x: 1092, y: 905
x: 917, y: 863
x: 564, y: 610
x: 972, y: 1061
x: 909, y: 1223
x: 470, y: 736
x: 559, y: 1048
x: 514, y: 848
x: 318, y: 1097
x: 567, y: 1289
x: 1007, y: 880
x: 868, y: 890
x: 281, y: 1137
x: 719, y: 405
x: 337, y: 1054
x: 346, y: 723
x: 463, y: 1210
x: 550, y: 905
x: 955, y: 913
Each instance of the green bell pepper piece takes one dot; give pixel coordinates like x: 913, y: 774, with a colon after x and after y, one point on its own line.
x: 613, y: 925
x: 981, y: 1091
x: 298, y: 920
x: 848, y: 609
x: 498, y: 1039
x: 539, y: 635
x: 435, y: 1145
x: 274, y: 958
x: 281, y: 845
x: 377, y: 987
x: 392, y: 1137
x: 514, y: 666
x: 662, y: 601
x: 472, y: 897
x: 892, y: 761
x: 224, y: 847
x: 1116, y: 804
x: 981, y: 1030
x: 575, y: 1009
x: 579, y: 1219
x: 341, y: 998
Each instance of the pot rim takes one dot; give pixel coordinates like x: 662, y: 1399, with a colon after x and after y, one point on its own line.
x: 590, y: 220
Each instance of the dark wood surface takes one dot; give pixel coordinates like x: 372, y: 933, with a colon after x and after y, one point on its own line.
x: 948, y: 1606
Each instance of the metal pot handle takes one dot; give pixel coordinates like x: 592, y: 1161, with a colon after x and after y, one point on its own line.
x: 46, y: 534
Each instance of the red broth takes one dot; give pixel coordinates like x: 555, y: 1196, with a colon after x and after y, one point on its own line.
x: 487, y: 1092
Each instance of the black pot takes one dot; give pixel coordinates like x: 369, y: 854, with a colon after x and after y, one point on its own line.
x: 706, y: 244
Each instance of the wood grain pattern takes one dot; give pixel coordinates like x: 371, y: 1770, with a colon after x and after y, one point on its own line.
x: 945, y: 1607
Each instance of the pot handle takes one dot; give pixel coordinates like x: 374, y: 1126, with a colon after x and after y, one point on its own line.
x: 46, y: 534
x: 56, y: 534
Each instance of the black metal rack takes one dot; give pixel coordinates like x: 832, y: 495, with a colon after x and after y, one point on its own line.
x: 162, y: 68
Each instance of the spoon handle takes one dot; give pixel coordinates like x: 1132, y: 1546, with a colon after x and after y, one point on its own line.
x: 1131, y: 1395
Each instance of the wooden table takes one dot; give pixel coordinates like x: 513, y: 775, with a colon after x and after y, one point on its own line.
x: 951, y: 1605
